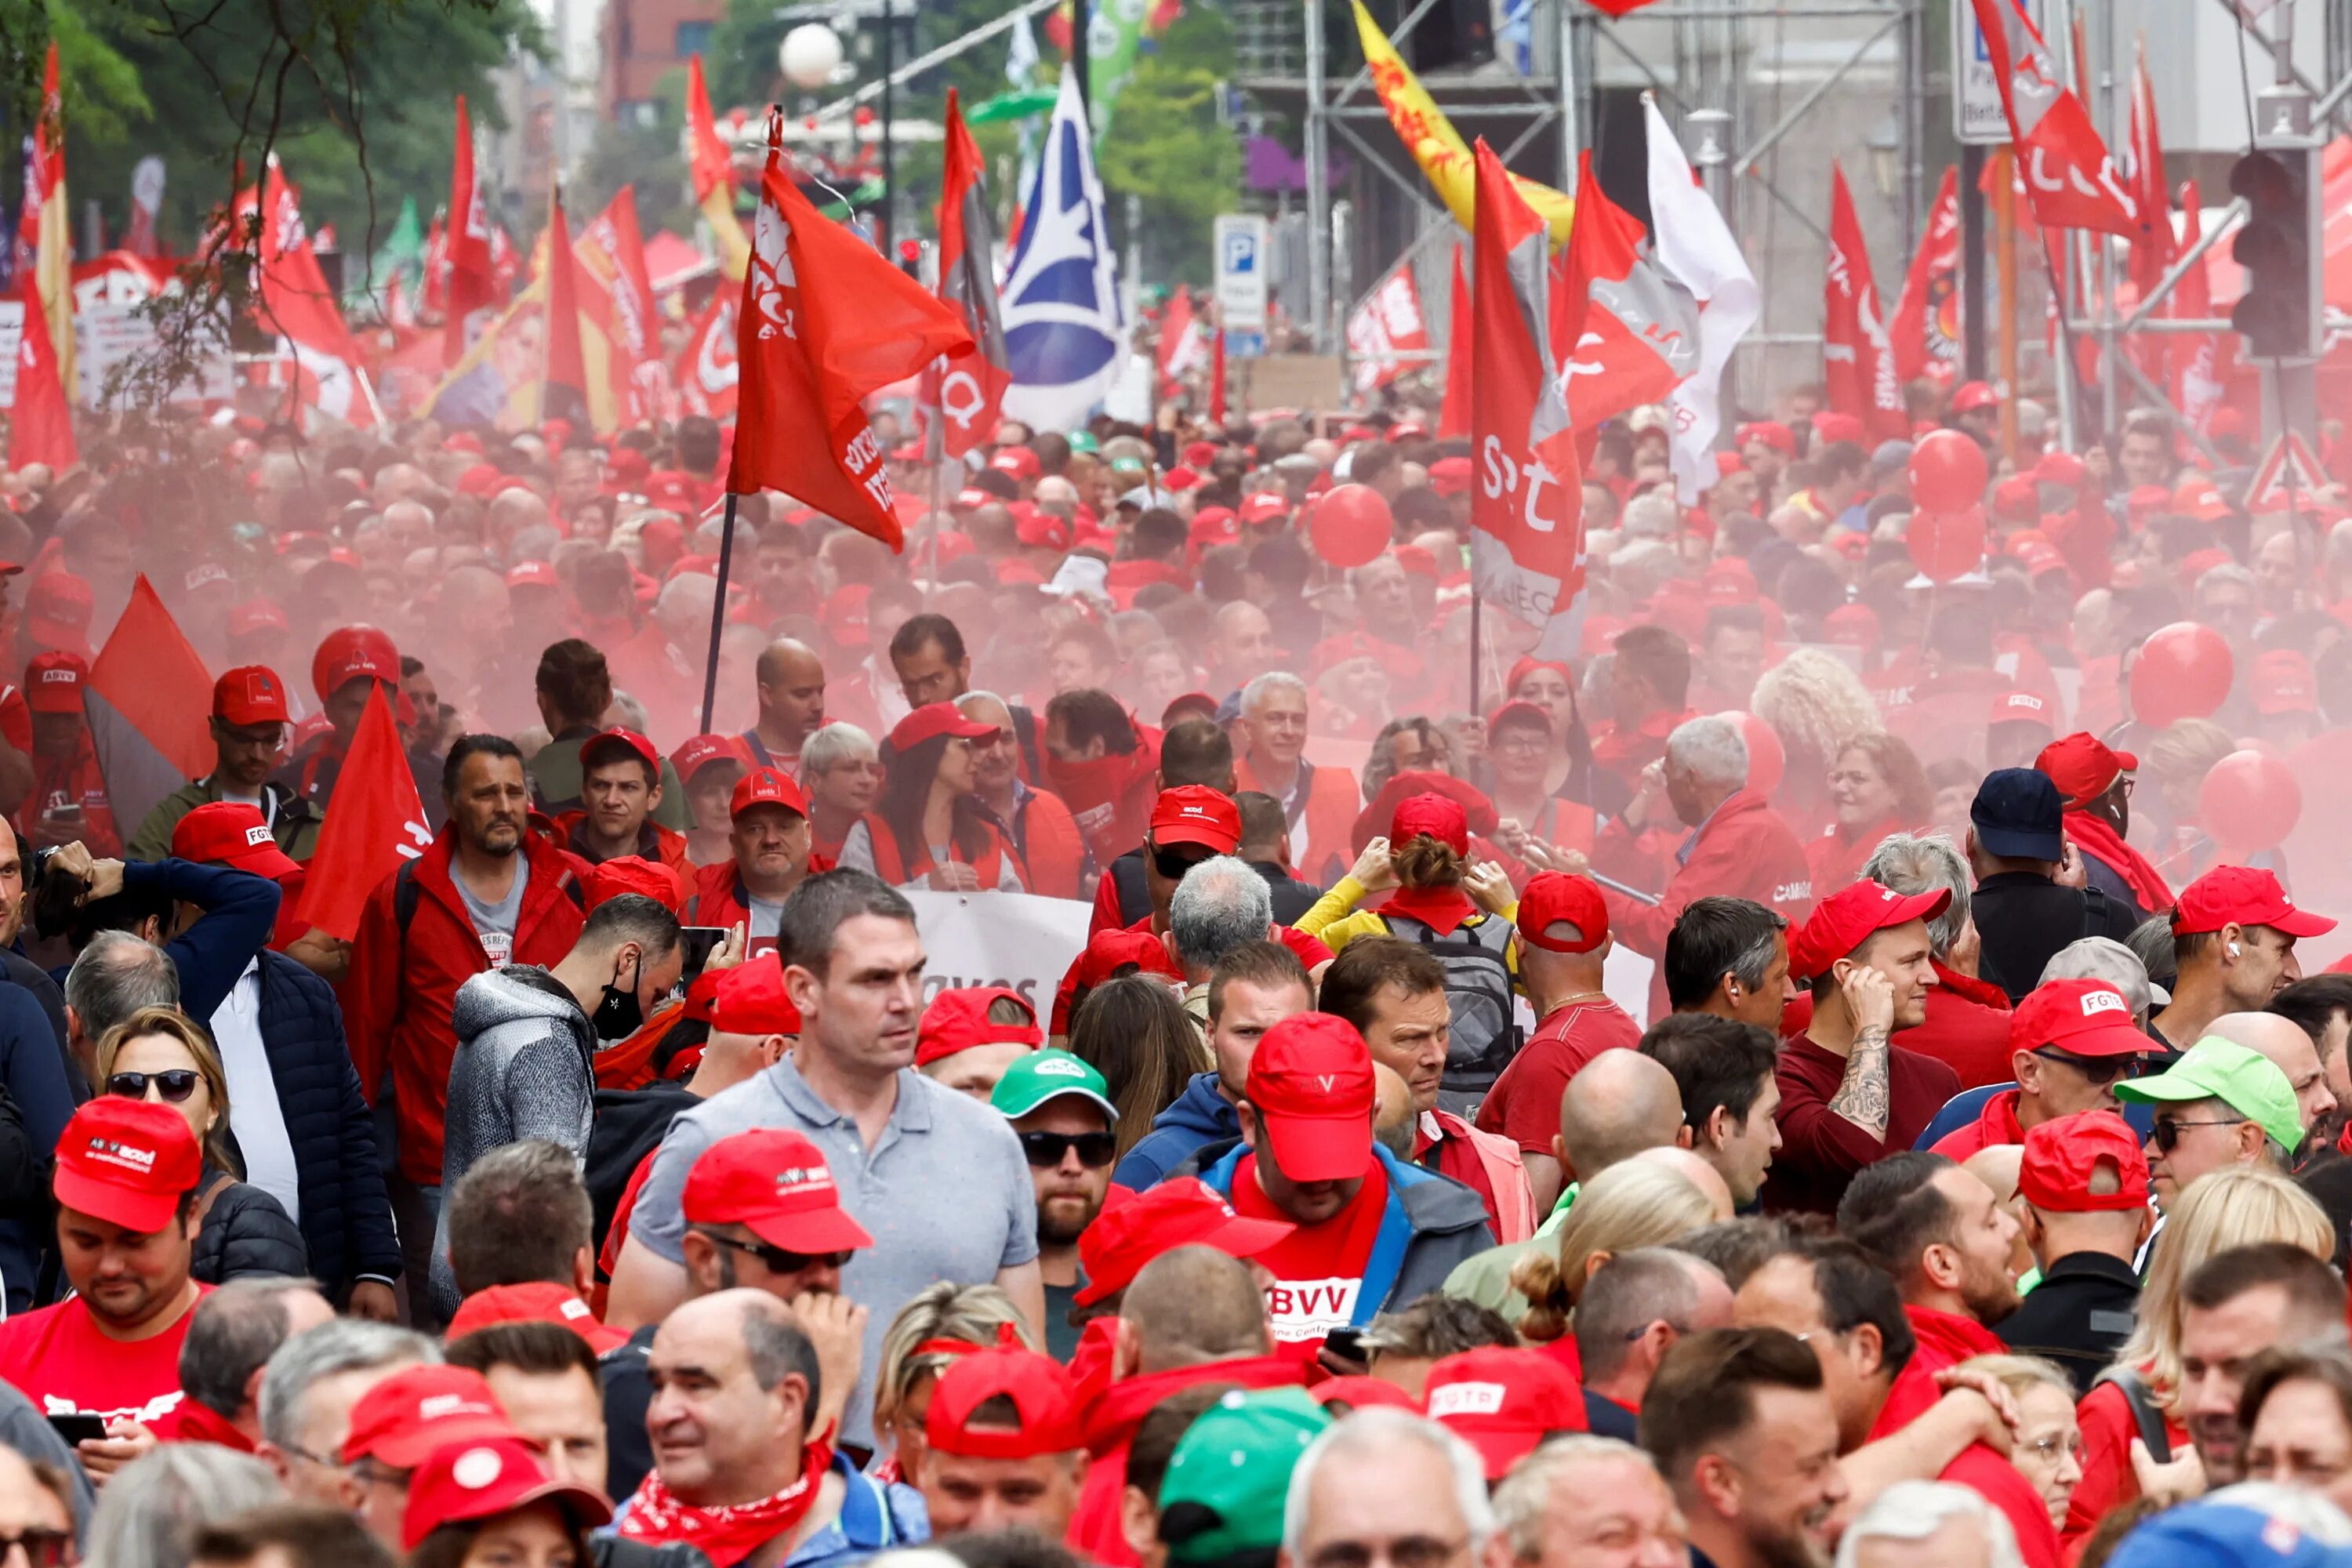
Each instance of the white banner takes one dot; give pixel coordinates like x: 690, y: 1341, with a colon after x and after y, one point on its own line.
x: 1017, y: 940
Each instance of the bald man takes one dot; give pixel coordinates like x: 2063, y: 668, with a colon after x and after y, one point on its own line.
x: 791, y: 704
x: 1623, y: 1105
x: 1392, y: 1112
x: 2292, y: 1052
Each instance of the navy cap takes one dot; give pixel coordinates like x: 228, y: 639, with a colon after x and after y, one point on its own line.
x: 2017, y: 813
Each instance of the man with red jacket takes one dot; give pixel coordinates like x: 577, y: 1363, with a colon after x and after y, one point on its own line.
x: 620, y: 785
x: 68, y: 801
x: 770, y: 840
x: 488, y: 892
x: 2070, y: 1042
x: 352, y: 661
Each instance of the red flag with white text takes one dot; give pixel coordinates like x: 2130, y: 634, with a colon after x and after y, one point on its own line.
x: 971, y: 389
x: 705, y: 372
x: 1454, y: 410
x: 40, y: 424
x: 296, y: 303
x: 1388, y: 336
x: 2199, y: 361
x: 1857, y: 362
x: 377, y: 822
x: 1635, y: 329
x: 610, y: 252
x: 1924, y: 332
x: 2070, y: 180
x: 465, y: 258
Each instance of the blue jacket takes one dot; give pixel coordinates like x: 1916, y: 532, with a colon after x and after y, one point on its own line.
x: 875, y: 1517
x: 35, y: 1077
x: 346, y: 1220
x: 1195, y: 1119
x: 1432, y: 1223
x: 240, y: 909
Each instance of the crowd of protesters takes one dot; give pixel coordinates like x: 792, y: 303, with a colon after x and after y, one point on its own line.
x: 1956, y: 1174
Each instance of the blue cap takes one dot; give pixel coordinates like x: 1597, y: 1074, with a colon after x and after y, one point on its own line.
x: 2253, y: 1525
x: 2017, y: 813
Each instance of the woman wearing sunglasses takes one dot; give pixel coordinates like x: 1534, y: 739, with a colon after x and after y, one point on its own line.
x: 159, y: 1054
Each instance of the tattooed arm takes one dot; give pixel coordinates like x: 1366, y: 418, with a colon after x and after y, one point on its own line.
x: 1863, y: 1096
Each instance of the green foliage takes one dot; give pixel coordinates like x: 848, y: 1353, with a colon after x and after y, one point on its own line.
x: 648, y: 157
x: 1168, y: 148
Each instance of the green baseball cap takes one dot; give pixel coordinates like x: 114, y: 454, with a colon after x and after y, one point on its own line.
x: 1041, y: 1076
x: 1127, y: 465
x: 2245, y: 1080
x: 1226, y: 1482
x: 1084, y: 441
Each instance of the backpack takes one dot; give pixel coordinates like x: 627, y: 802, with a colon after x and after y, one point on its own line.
x: 2145, y: 1415
x: 1478, y: 992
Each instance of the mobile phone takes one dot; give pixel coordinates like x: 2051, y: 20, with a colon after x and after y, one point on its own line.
x: 699, y: 943
x: 79, y: 1426
x: 1346, y: 1344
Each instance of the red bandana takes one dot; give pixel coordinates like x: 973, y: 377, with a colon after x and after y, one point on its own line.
x: 2095, y: 837
x: 727, y: 1534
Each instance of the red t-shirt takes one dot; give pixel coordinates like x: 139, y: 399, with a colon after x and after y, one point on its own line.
x: 58, y: 1359
x: 1317, y: 1269
x: 1980, y: 1468
x: 1524, y: 1104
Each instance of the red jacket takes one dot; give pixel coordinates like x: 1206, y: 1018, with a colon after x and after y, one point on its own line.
x: 663, y: 845
x: 1997, y: 1128
x: 1051, y: 846
x: 1320, y: 841
x: 398, y: 996
x: 68, y: 801
x: 1095, y: 1532
x: 1744, y: 851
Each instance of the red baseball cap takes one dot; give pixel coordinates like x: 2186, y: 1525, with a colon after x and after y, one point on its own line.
x: 1133, y: 1228
x: 1040, y: 1389
x: 1503, y: 1401
x: 2199, y: 498
x: 58, y: 611
x: 533, y: 574
x: 1519, y: 709
x: 1106, y: 952
x: 702, y: 995
x: 1195, y: 814
x: 1973, y: 395
x: 2081, y: 1017
x: 1311, y: 1082
x: 620, y: 740
x: 1439, y: 816
x: 250, y: 694
x: 1773, y: 434
x: 608, y: 880
x: 255, y: 615
x: 538, y: 1301
x: 1042, y: 531
x: 1849, y: 917
x: 1264, y: 507
x: 464, y: 1480
x: 776, y: 1184
x: 750, y: 999
x: 1020, y: 462
x: 1450, y: 475
x: 2083, y: 767
x: 957, y: 1020
x: 1553, y: 897
x: 2283, y: 683
x: 1853, y: 626
x: 2018, y: 498
x: 2242, y: 895
x: 347, y: 653
x: 1830, y: 426
x: 2063, y: 1158
x: 765, y: 786
x: 127, y: 1162
x: 845, y: 616
x: 402, y: 1420
x: 2020, y: 708
x: 933, y: 719
x: 230, y: 833
x: 53, y: 682
x: 693, y: 753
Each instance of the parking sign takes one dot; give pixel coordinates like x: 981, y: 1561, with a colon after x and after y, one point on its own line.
x: 1977, y: 115
x: 1240, y: 245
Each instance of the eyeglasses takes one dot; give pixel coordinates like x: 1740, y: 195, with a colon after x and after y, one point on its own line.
x: 2047, y: 1450
x: 42, y: 1548
x: 2166, y: 1133
x: 778, y: 1261
x: 175, y: 1086
x: 2098, y: 1069
x: 1046, y: 1150
x: 1523, y: 741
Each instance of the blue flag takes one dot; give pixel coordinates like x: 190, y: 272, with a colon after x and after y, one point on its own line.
x: 1063, y: 331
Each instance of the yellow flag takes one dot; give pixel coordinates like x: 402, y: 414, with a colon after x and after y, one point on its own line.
x: 1433, y: 142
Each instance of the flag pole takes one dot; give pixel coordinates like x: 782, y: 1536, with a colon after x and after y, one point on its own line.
x: 718, y: 616
x: 1474, y: 647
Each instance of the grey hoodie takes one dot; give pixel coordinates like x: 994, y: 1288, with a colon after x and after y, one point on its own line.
x: 524, y: 1069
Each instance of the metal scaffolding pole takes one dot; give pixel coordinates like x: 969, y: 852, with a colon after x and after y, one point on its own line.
x: 1319, y: 185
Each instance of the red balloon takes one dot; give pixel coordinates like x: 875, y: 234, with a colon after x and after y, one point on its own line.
x: 1947, y: 472
x: 2249, y: 802
x: 2183, y: 672
x: 1947, y: 545
x: 1766, y: 761
x: 1350, y: 525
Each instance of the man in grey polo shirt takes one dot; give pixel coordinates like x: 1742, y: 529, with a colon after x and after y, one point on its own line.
x: 936, y: 1177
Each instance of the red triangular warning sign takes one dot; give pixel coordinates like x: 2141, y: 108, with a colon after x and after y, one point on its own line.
x: 2289, y: 478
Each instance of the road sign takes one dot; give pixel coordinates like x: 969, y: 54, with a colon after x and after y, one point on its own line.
x: 2289, y: 478
x: 1244, y: 345
x: 1243, y: 256
x: 1976, y: 115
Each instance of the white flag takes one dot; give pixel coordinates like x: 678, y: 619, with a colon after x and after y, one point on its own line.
x: 1696, y: 246
x: 1064, y: 333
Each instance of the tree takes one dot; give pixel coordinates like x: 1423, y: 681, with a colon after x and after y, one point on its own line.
x: 1168, y: 146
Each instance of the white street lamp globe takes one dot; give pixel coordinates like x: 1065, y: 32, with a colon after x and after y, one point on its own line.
x: 809, y: 54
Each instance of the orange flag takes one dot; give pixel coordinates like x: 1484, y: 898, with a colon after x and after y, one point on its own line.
x: 1453, y: 412
x: 563, y: 387
x: 376, y: 823
x: 147, y: 699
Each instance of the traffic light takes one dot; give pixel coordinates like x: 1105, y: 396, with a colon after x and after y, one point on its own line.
x: 2278, y: 314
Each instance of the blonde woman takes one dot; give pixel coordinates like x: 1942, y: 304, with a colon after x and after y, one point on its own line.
x: 1640, y: 1201
x: 938, y: 1325
x: 2234, y: 1206
x: 2048, y: 1451
x: 1817, y: 706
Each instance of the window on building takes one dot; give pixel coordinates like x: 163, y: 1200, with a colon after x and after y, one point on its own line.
x: 694, y: 39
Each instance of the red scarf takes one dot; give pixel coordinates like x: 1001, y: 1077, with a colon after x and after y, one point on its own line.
x: 1439, y: 908
x: 1983, y: 993
x: 2095, y: 837
x: 729, y: 1533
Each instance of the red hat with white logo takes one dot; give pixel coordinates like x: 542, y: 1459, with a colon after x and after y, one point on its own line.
x: 1264, y: 506
x: 538, y: 1301
x: 1133, y: 1228
x: 533, y: 574
x: 1195, y: 814
x: 1503, y: 1402
x: 461, y: 1482
x: 2083, y: 766
x: 418, y: 1409
x: 2283, y: 683
x: 2020, y: 708
x: 53, y: 682
x: 1040, y: 1390
x: 618, y: 742
x: 1019, y: 462
x: 1042, y: 531
x: 250, y: 694
x: 2242, y: 895
x: 127, y: 1162
x: 695, y: 752
x: 230, y: 833
x: 957, y: 1020
x: 774, y: 1183
x: 348, y: 653
x: 1311, y: 1082
x: 1852, y: 916
x: 766, y: 786
x: 2080, y: 1017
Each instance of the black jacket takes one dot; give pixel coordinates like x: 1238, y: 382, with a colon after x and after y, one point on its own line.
x: 2079, y: 1316
x: 244, y: 1232
x: 630, y: 1125
x: 2025, y: 918
x: 1292, y: 897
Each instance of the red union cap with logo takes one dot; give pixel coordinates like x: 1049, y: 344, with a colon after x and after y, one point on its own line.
x: 777, y: 1184
x: 350, y: 653
x: 2080, y: 1017
x: 2242, y: 895
x: 1195, y: 814
x: 1133, y: 1228
x: 53, y: 682
x: 617, y: 742
x: 1040, y: 1390
x: 418, y: 1409
x: 230, y: 833
x: 766, y: 786
x: 250, y: 694
x: 696, y: 752
x: 1849, y: 917
x: 461, y: 1480
x: 2020, y: 708
x: 127, y: 1162
x: 538, y: 1302
x: 1311, y: 1082
x: 1503, y: 1402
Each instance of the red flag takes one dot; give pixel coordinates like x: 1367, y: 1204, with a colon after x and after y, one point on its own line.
x: 1925, y: 333
x: 1857, y: 362
x: 1387, y: 328
x: 466, y: 252
x: 972, y: 389
x: 1179, y: 341
x: 148, y: 695
x: 1525, y: 507
x: 564, y: 384
x: 1636, y: 330
x: 825, y: 321
x: 704, y: 372
x: 1453, y: 412
x: 2198, y: 372
x: 613, y: 250
x: 1217, y: 374
x: 713, y: 173
x: 377, y: 822
x: 295, y: 298
x: 40, y: 428
x: 2151, y: 247
x: 2069, y: 179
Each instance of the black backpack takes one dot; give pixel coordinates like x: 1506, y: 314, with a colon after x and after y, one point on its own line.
x: 1478, y: 992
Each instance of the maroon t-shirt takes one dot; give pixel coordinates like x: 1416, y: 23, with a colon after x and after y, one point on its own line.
x: 1820, y: 1150
x: 1524, y: 1103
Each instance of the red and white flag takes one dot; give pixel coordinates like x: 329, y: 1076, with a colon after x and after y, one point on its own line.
x: 2070, y: 180
x: 611, y: 251
x: 2151, y: 247
x: 1926, y: 330
x: 378, y: 822
x: 971, y: 389
x: 1386, y: 329
x: 704, y: 372
x: 1857, y: 362
x: 1697, y: 249
x: 40, y: 424
x: 464, y: 260
x: 1636, y: 330
x: 2196, y: 361
x: 1181, y: 351
x: 825, y: 321
x: 1453, y: 411
x: 297, y: 304
x: 1527, y: 505
x: 148, y: 697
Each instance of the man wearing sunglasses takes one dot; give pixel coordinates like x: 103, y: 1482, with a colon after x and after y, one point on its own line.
x: 2071, y: 1042
x: 2219, y: 1104
x: 1060, y: 1107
